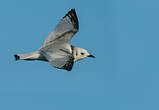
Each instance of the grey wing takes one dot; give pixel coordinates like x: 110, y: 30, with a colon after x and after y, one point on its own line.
x: 59, y: 58
x: 68, y: 25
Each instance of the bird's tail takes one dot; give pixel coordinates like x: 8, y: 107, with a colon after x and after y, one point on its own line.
x: 29, y: 56
x: 16, y: 57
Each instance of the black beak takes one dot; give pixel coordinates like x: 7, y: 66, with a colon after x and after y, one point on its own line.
x: 91, y: 56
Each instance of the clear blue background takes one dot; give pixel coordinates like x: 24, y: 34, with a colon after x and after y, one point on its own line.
x: 122, y: 34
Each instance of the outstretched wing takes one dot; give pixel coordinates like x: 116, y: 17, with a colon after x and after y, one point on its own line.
x: 68, y: 25
x: 56, y: 48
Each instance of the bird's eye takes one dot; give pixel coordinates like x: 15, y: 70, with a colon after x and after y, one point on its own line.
x: 82, y: 53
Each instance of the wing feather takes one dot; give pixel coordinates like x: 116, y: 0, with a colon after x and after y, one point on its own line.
x: 59, y: 59
x: 68, y: 24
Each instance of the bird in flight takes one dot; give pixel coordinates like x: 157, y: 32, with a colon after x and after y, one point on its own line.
x: 57, y: 48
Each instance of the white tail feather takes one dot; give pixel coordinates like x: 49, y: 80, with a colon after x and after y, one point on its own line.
x: 29, y: 56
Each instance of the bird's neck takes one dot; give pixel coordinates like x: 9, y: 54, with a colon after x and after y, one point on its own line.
x: 75, y: 53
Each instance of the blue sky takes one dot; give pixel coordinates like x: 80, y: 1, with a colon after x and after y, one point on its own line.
x: 122, y: 34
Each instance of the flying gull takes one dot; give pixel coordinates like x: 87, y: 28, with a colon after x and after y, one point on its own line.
x: 57, y: 48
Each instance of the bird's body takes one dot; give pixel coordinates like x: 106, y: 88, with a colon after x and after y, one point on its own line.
x: 57, y: 49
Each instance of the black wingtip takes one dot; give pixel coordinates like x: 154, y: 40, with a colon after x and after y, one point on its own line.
x: 73, y: 9
x: 68, y: 66
x: 16, y: 57
x: 73, y: 16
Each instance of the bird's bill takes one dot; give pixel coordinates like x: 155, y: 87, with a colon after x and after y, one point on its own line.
x: 91, y: 56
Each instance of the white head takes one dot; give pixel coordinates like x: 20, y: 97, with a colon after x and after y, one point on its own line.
x: 79, y: 54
